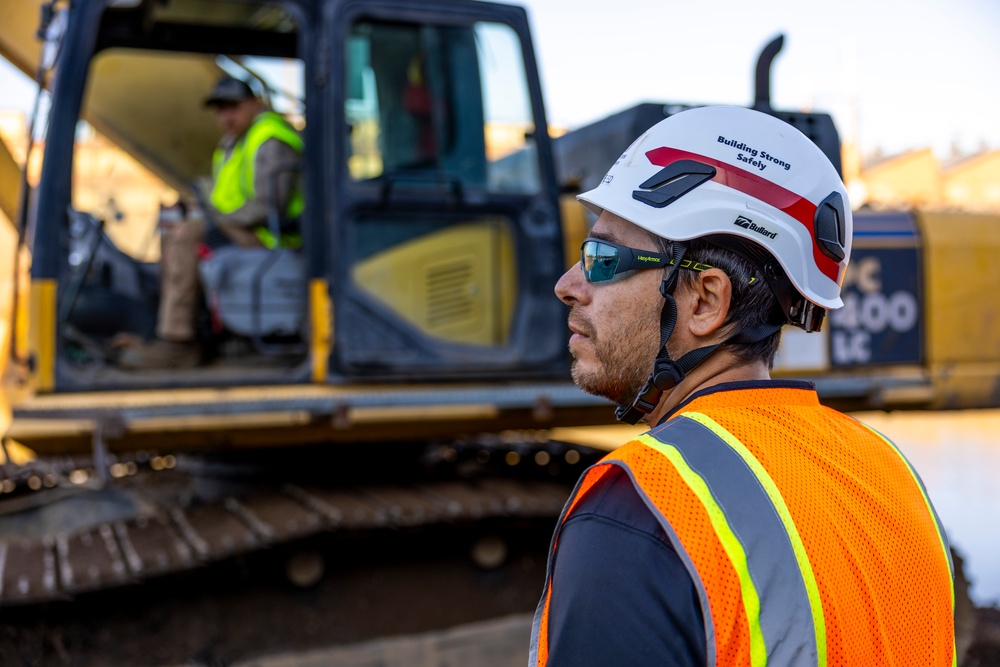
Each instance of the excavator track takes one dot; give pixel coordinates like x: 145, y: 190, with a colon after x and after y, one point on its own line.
x: 169, y: 533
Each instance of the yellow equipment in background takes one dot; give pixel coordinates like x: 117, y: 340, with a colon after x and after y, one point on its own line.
x: 426, y: 335
x: 434, y: 281
x: 961, y: 307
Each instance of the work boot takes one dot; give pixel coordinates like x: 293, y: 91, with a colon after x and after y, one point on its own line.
x: 126, y: 339
x: 161, y: 354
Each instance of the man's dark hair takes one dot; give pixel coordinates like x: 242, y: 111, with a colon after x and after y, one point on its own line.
x: 752, y: 302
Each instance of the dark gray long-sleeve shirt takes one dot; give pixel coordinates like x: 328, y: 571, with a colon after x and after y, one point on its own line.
x: 620, y: 593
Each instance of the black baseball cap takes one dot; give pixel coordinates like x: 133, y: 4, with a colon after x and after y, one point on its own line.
x: 229, y: 89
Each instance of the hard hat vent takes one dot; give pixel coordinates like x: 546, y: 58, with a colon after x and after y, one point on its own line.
x: 830, y: 224
x: 672, y: 182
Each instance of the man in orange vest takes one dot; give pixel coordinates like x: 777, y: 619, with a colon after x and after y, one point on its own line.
x: 251, y: 173
x: 750, y: 525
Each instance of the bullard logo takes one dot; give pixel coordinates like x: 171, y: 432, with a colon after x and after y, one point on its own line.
x: 747, y: 223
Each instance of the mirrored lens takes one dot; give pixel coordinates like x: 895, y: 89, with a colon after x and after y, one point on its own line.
x: 599, y: 261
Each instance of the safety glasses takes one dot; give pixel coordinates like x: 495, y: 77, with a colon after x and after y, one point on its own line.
x: 603, y: 260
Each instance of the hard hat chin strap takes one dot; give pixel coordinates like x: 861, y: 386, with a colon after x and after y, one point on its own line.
x: 668, y: 373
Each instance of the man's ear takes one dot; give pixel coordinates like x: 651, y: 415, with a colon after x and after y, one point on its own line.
x: 710, y: 295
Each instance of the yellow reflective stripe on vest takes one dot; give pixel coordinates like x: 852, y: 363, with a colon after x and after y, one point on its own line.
x: 778, y: 595
x: 732, y: 545
x: 235, y: 174
x: 798, y: 548
x: 771, y: 560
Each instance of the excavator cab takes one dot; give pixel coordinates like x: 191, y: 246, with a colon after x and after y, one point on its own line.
x: 430, y: 227
x: 450, y: 243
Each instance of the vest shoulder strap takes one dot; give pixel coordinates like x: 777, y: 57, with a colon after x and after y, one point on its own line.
x: 270, y: 125
x: 733, y: 507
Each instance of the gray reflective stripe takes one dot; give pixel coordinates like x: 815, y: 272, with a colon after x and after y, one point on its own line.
x: 786, y: 620
x: 536, y: 625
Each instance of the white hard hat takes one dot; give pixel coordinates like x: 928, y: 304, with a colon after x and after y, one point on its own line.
x: 731, y: 171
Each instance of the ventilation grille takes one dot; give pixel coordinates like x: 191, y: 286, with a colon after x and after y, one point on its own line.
x: 451, y: 292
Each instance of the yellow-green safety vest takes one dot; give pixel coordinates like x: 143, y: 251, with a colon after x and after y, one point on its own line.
x: 234, y: 175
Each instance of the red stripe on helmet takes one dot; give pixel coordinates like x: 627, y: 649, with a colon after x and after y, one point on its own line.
x: 751, y: 184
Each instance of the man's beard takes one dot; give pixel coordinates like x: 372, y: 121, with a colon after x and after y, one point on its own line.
x: 625, y: 359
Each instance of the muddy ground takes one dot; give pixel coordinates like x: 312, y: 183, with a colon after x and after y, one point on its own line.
x: 985, y: 650
x: 388, y: 583
x: 248, y: 609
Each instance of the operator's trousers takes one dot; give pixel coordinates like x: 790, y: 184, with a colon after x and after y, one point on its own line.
x: 180, y: 283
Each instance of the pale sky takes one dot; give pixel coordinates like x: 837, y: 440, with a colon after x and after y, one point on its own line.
x: 897, y: 74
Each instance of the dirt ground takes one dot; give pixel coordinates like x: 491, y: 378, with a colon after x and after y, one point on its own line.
x: 239, y: 616
x: 396, y: 584
x: 985, y: 649
x: 245, y: 609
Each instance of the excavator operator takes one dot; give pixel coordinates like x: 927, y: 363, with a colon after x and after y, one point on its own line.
x: 252, y: 174
x: 750, y: 525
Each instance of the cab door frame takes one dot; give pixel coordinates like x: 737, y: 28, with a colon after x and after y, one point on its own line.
x: 536, y: 343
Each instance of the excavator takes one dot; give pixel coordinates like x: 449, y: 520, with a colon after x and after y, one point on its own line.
x: 406, y: 369
x: 401, y: 370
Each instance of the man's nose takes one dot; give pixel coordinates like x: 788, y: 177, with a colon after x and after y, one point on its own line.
x: 572, y: 288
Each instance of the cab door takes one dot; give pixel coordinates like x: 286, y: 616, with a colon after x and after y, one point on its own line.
x: 444, y: 235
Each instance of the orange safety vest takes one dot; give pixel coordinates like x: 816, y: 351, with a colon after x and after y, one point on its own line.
x: 809, y: 538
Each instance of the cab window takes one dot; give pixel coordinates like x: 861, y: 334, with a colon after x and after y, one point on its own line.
x: 445, y: 99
